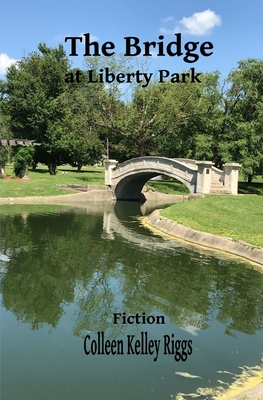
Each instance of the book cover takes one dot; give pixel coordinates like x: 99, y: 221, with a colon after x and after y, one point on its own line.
x: 99, y: 98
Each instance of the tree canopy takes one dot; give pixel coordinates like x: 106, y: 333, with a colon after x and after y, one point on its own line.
x: 218, y: 120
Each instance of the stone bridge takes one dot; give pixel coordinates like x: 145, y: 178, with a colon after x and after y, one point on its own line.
x: 127, y: 179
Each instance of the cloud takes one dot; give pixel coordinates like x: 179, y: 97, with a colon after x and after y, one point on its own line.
x: 165, y: 31
x: 5, y: 62
x: 61, y: 38
x: 93, y: 38
x: 168, y: 19
x: 199, y: 23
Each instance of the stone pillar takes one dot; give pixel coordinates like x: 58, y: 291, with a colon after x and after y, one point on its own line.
x: 231, y: 177
x: 204, y: 175
x: 109, y: 166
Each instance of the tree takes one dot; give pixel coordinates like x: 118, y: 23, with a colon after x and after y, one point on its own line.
x: 224, y: 120
x: 5, y: 151
x: 134, y: 125
x: 199, y: 134
x: 80, y: 143
x: 43, y: 106
x: 4, y: 158
x: 244, y: 142
x: 22, y: 160
x: 29, y: 98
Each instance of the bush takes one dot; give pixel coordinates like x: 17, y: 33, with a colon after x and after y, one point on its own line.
x: 23, y: 158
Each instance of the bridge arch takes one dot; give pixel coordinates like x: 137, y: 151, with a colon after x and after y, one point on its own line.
x: 127, y: 179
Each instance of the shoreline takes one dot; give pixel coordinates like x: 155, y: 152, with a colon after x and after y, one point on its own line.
x: 104, y: 194
x: 92, y: 195
x: 204, y: 239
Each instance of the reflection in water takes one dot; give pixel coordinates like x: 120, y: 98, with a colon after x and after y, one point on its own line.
x: 72, y: 269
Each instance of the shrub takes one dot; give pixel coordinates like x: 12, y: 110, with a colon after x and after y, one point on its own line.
x: 23, y: 158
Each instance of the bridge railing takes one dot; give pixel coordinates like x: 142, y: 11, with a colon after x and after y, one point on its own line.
x: 148, y: 159
x: 149, y: 167
x: 218, y: 175
x: 190, y: 162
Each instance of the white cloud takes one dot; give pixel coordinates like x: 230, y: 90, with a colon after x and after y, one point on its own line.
x: 5, y: 62
x: 201, y: 23
x: 61, y: 38
x: 165, y: 31
x: 93, y: 38
x: 168, y: 19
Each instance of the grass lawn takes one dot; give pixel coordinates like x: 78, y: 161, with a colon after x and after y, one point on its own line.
x: 175, y: 187
x: 41, y: 183
x: 169, y: 187
x: 256, y: 187
x: 238, y: 217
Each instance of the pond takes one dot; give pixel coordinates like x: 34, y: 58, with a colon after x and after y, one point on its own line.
x: 71, y: 276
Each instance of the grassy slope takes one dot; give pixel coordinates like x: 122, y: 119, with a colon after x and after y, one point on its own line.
x: 238, y: 217
x: 43, y: 184
x: 175, y: 187
x: 169, y: 187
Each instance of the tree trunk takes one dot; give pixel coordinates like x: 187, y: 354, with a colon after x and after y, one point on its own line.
x: 79, y: 167
x: 142, y: 149
x: 249, y: 178
x: 52, y: 168
x: 25, y: 175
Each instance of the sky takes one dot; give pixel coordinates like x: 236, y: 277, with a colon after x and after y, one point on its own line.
x: 234, y: 28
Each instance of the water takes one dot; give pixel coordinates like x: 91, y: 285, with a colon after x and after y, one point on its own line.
x: 66, y: 271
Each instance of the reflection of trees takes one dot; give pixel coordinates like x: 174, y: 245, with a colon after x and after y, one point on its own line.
x: 61, y: 258
x: 42, y: 273
x: 238, y: 296
x: 15, y: 234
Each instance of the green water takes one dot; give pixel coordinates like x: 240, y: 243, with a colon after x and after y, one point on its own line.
x: 65, y: 272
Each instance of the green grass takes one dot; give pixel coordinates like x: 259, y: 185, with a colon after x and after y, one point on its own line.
x: 169, y: 187
x: 41, y: 183
x: 175, y: 187
x: 256, y: 187
x: 238, y: 217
